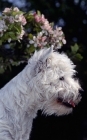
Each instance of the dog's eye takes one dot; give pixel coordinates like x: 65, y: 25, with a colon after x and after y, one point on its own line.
x: 61, y: 78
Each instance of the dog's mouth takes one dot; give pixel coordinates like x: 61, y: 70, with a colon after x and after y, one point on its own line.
x: 69, y: 103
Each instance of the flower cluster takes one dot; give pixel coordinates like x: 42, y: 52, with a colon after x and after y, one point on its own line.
x: 14, y: 15
x: 11, y: 24
x: 43, y: 21
x: 23, y: 33
x: 13, y: 21
x: 48, y: 35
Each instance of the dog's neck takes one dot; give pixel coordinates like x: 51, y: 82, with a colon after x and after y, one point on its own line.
x: 28, y: 90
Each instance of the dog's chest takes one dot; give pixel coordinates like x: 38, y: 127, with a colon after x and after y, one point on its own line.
x: 23, y: 128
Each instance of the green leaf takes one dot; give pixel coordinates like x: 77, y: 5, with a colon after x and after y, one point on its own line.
x: 18, y: 28
x: 38, y: 12
x: 78, y: 56
x: 30, y: 36
x: 74, y: 48
x: 52, y: 24
x: 31, y: 49
x: 15, y: 63
x: 14, y: 13
x: 11, y: 35
x: 1, y: 70
x: 29, y: 18
x: 11, y: 26
x: 0, y: 42
x: 9, y: 67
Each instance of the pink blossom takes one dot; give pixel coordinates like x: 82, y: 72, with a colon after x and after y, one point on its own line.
x: 20, y: 18
x: 6, y: 10
x: 64, y: 41
x: 39, y: 40
x: 59, y: 28
x: 45, y: 24
x: 60, y: 38
x: 43, y: 18
x: 61, y: 33
x: 44, y: 38
x: 16, y: 9
x: 37, y: 18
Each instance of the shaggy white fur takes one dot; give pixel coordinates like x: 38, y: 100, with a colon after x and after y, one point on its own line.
x: 46, y: 83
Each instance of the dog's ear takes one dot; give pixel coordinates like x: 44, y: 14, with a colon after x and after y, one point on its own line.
x: 47, y: 54
x: 45, y: 60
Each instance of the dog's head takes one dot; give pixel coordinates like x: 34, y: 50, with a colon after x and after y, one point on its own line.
x: 55, y: 83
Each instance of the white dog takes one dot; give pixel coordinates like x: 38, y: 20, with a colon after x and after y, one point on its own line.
x: 46, y: 83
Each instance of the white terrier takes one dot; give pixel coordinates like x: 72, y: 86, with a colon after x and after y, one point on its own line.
x: 46, y: 83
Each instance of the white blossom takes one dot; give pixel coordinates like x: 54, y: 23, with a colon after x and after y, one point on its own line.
x: 9, y: 40
x: 3, y: 26
x: 31, y: 42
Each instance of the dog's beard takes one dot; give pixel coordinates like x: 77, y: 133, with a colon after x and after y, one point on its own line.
x: 62, y: 104
x: 56, y: 108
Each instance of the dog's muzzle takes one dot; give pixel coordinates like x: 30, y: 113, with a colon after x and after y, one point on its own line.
x: 69, y: 102
x: 66, y: 103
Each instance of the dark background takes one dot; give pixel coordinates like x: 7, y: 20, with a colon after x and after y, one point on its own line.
x: 71, y: 15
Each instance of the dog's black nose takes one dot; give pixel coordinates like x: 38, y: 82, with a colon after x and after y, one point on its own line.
x: 79, y: 97
x: 81, y: 91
